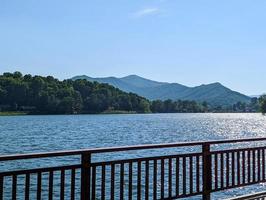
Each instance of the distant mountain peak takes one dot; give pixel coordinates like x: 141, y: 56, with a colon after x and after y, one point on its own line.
x: 213, y: 84
x: 140, y: 82
x: 132, y: 76
x: 217, y: 83
x: 136, y: 77
x: 215, y: 93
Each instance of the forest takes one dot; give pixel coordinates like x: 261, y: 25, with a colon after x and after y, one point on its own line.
x: 48, y: 95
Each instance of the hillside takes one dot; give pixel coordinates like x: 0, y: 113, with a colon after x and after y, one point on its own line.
x: 48, y: 95
x: 214, y: 94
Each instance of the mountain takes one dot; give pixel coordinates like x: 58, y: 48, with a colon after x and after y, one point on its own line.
x: 116, y: 82
x: 138, y: 81
x: 214, y: 94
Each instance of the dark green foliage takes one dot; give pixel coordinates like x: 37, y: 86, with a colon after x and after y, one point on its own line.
x: 47, y: 95
x: 253, y: 106
x: 262, y: 102
x: 169, y: 106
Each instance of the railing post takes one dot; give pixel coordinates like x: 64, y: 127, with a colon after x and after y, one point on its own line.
x: 85, y: 176
x: 207, y: 171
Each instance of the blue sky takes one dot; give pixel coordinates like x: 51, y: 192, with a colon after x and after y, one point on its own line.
x: 186, y: 41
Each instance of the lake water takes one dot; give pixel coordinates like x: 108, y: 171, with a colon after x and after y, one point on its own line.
x: 26, y: 134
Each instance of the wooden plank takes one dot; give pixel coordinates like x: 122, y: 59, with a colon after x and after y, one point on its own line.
x: 130, y: 181
x: 73, y: 184
x: 51, y: 184
x: 112, y: 182
x: 177, y: 176
x: 1, y: 187
x: 162, y: 178
x: 39, y: 186
x: 27, y: 187
x: 139, y: 181
x: 191, y: 175
x: 147, y: 178
x: 122, y: 181
x: 14, y: 187
x: 103, y: 183
x: 155, y: 179
x: 62, y: 185
x: 184, y: 175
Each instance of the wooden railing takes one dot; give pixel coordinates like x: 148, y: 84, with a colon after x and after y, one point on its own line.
x: 172, y: 176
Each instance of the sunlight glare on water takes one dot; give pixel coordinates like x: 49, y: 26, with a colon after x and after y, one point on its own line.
x: 24, y: 134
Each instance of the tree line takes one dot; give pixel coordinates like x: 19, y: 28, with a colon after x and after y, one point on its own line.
x: 48, y: 95
x: 169, y: 106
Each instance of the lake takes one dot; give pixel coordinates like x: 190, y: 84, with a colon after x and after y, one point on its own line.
x: 26, y: 134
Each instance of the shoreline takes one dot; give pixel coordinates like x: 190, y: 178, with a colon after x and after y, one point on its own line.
x: 13, y: 113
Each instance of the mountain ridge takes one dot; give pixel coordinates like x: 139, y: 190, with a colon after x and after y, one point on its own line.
x: 214, y: 94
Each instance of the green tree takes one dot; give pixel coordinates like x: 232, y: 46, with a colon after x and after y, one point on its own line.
x: 157, y: 106
x: 66, y: 106
x: 262, y: 102
x: 144, y: 106
x: 205, y: 106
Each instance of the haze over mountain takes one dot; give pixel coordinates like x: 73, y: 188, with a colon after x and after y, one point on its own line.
x: 214, y: 94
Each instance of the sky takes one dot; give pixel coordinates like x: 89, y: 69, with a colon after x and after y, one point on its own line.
x: 191, y: 42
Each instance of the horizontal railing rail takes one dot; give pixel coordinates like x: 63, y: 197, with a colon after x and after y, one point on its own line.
x: 123, y: 148
x: 174, y: 176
